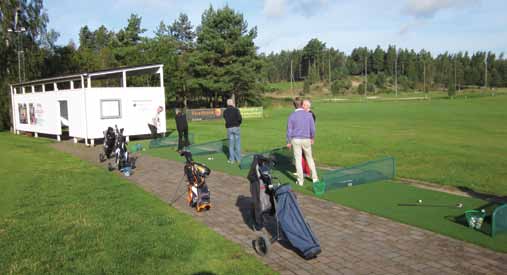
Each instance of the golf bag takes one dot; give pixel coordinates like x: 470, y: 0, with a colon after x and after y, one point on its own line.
x: 280, y: 199
x: 293, y: 223
x: 262, y: 195
x: 109, y: 144
x: 121, y: 153
x: 198, y: 195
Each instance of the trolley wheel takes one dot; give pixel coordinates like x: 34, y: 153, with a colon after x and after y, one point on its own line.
x: 110, y: 167
x: 262, y: 245
x: 102, y: 157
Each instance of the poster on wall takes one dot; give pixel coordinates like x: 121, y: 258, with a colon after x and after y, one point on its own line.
x: 31, y: 110
x: 23, y: 116
x: 39, y: 114
x: 142, y: 106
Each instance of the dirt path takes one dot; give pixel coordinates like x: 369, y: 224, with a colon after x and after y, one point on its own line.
x: 353, y: 242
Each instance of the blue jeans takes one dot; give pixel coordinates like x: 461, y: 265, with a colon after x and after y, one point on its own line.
x: 233, y: 134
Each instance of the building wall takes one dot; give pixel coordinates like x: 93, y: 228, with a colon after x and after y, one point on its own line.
x: 138, y: 107
x: 37, y: 112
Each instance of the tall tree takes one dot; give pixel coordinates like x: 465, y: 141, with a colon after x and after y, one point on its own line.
x: 225, y: 61
x: 131, y: 35
x: 183, y: 31
x: 378, y: 60
x: 14, y: 15
x: 312, y: 54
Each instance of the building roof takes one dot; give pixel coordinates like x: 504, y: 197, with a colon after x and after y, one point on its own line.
x: 131, y: 70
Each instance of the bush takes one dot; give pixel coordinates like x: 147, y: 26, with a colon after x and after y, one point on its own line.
x: 380, y: 80
x: 340, y: 86
x: 451, y: 89
x: 306, y: 87
x: 371, y: 88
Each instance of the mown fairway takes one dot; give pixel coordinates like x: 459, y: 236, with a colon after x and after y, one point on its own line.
x: 60, y: 215
x: 460, y: 142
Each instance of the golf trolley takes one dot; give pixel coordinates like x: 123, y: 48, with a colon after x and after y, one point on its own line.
x: 109, y: 144
x: 279, y: 201
x: 122, y: 158
x: 198, y: 195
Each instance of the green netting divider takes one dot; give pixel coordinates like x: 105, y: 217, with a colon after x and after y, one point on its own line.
x: 169, y: 141
x: 210, y: 147
x: 280, y: 155
x: 499, y: 220
x: 375, y: 170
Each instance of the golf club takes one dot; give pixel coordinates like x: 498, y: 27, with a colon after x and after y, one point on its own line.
x: 420, y: 203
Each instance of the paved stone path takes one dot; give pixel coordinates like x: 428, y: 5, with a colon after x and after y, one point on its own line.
x: 353, y: 242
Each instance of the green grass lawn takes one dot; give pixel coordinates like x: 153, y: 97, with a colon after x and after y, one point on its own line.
x: 460, y: 142
x: 59, y: 214
x: 382, y: 199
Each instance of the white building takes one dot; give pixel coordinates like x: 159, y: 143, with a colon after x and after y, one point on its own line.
x: 88, y: 103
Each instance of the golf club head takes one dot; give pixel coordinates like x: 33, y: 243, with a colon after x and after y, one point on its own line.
x: 187, y: 155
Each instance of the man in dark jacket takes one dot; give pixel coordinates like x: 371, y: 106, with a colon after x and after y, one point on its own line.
x: 182, y: 127
x: 233, y: 120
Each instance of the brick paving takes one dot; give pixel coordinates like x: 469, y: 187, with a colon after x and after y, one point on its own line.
x: 353, y: 242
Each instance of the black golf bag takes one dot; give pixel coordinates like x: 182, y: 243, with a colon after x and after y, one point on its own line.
x: 109, y: 144
x: 121, y: 153
x: 280, y: 199
x: 262, y: 195
x: 198, y: 195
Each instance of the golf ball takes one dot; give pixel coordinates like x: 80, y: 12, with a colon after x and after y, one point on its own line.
x: 419, y: 201
x: 460, y: 205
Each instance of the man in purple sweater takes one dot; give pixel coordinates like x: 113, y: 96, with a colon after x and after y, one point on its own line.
x: 300, y: 136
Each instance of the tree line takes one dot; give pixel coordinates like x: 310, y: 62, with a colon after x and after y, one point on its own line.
x: 217, y: 59
x: 408, y: 69
x: 203, y: 65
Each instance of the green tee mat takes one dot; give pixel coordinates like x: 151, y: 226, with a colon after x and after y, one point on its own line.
x: 210, y: 147
x: 169, y: 141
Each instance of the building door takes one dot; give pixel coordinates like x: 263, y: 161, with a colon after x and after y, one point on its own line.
x: 64, y: 118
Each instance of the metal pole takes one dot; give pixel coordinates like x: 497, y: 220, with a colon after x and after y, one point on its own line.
x: 291, y: 78
x: 329, y: 63
x: 486, y: 71
x: 396, y: 72
x: 19, y: 61
x: 366, y: 73
x: 455, y: 83
x: 424, y: 73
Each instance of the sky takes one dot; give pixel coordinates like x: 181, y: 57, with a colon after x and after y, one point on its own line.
x: 434, y: 25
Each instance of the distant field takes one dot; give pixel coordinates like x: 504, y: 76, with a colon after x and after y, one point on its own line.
x: 460, y: 142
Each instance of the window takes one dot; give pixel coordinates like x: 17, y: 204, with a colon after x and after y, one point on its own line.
x: 77, y: 84
x: 63, y: 85
x: 48, y: 87
x: 110, y: 108
x: 23, y: 116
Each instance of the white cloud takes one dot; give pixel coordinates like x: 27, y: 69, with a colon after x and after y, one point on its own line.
x: 274, y: 8
x: 411, y: 26
x: 146, y: 3
x: 428, y: 8
x: 308, y: 7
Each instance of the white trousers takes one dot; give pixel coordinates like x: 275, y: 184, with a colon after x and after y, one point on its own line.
x: 299, y: 146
